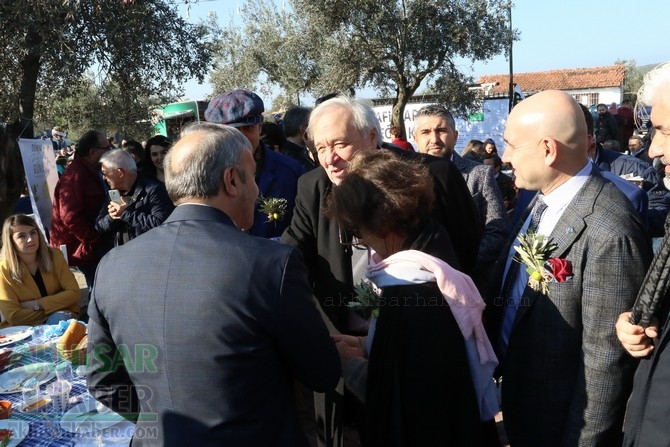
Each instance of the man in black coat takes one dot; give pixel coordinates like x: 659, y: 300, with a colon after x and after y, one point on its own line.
x: 144, y: 203
x: 606, y: 127
x: 295, y: 123
x: 645, y: 332
x: 338, y: 128
x: 326, y: 247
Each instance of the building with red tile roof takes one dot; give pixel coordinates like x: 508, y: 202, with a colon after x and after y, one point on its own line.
x: 588, y: 85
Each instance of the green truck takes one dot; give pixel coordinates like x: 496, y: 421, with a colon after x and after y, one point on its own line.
x: 170, y: 119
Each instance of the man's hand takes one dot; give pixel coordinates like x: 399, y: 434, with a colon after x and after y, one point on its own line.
x: 115, y: 210
x: 348, y: 347
x: 635, y: 339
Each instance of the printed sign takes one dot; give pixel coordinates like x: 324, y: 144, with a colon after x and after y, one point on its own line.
x: 39, y: 163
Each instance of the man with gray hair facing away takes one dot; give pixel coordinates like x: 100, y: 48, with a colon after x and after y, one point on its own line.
x: 224, y: 321
x: 143, y: 202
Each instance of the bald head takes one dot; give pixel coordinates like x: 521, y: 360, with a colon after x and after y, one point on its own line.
x: 552, y: 113
x: 546, y: 140
x: 195, y: 164
x: 182, y: 152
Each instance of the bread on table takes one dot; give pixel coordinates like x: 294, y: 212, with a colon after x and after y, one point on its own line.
x: 72, y: 336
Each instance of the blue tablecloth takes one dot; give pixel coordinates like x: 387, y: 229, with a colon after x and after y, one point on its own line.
x: 45, y: 429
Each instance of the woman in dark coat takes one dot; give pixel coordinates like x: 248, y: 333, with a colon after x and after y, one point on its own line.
x: 412, y: 370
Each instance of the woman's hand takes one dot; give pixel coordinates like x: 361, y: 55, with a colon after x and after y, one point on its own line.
x: 29, y: 304
x: 636, y: 340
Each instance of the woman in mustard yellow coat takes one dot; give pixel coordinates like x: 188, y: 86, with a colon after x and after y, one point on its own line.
x: 36, y: 284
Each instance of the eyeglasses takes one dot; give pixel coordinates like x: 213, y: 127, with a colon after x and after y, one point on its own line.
x: 351, y: 237
x: 106, y: 173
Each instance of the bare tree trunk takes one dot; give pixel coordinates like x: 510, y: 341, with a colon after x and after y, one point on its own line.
x: 30, y: 68
x: 11, y: 167
x: 398, y: 111
x: 11, y: 172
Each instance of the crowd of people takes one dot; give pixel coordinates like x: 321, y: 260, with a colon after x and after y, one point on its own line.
x: 262, y: 262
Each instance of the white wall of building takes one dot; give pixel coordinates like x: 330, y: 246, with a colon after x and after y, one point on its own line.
x: 605, y: 95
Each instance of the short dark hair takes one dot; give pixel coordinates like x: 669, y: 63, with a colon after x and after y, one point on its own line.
x: 588, y: 117
x: 88, y: 141
x: 135, y: 148
x: 325, y: 98
x: 382, y: 193
x: 272, y: 135
x: 497, y: 162
x: 438, y: 110
x: 294, y: 118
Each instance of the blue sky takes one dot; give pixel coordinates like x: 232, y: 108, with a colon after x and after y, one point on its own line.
x: 553, y: 35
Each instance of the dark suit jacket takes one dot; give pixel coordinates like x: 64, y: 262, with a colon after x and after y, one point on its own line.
x: 566, y: 377
x: 278, y: 177
x: 218, y: 325
x: 489, y: 203
x: 299, y: 154
x: 329, y: 262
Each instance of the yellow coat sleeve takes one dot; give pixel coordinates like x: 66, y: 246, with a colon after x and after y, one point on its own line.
x: 61, y: 285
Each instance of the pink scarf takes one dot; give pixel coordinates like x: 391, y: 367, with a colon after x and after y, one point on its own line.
x: 459, y: 292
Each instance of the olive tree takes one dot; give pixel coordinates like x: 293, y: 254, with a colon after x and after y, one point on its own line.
x: 391, y: 45
x: 141, y: 46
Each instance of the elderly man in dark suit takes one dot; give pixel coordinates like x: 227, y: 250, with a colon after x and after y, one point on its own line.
x: 565, y: 378
x: 144, y: 204
x: 219, y: 324
x: 338, y: 128
x: 435, y: 133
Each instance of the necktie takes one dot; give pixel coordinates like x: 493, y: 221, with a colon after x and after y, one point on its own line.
x: 512, y: 276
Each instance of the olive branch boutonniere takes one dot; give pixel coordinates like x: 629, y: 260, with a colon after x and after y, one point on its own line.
x: 533, y: 251
x: 273, y: 207
x: 367, y: 297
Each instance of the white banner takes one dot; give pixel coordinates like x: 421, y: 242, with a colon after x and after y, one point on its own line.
x: 39, y: 163
x: 489, y: 122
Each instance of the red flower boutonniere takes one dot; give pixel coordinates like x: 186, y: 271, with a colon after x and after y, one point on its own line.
x: 560, y: 269
x: 533, y: 251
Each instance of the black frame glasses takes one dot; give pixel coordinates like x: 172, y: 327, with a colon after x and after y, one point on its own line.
x: 351, y: 237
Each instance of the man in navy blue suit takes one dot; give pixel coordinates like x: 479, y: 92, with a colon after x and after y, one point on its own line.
x: 200, y: 330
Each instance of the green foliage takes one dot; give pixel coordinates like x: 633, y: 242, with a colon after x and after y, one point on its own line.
x: 134, y: 49
x: 141, y: 46
x: 633, y: 79
x: 87, y: 106
x: 322, y: 46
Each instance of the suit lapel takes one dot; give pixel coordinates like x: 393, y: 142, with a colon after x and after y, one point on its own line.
x: 566, y: 232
